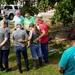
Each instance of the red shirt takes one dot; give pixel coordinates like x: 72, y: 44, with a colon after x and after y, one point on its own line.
x: 45, y: 28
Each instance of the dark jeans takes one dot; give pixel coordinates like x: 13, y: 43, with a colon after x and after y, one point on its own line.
x: 44, y: 49
x: 4, y: 58
x: 18, y: 50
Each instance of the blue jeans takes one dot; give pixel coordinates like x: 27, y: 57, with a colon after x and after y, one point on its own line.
x: 44, y: 48
x: 4, y: 56
x: 35, y: 51
x: 18, y: 50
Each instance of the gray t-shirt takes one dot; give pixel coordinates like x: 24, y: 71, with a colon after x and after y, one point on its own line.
x: 3, y: 35
x: 34, y: 36
x: 8, y: 30
x: 19, y: 34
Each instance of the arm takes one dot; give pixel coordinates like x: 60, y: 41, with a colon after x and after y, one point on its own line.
x: 27, y: 39
x: 25, y: 27
x: 42, y: 35
x: 30, y: 36
x: 5, y: 39
x: 60, y: 69
x: 63, y: 63
x: 4, y: 42
x: 12, y: 42
x: 23, y: 41
x: 28, y: 44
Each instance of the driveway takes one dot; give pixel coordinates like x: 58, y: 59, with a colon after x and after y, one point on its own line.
x: 48, y: 14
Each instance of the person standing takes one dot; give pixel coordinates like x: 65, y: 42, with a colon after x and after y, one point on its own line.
x: 5, y: 18
x: 18, y: 19
x: 43, y: 27
x: 34, y: 46
x: 6, y: 24
x: 20, y: 46
x: 4, y: 48
x: 28, y: 19
x: 66, y: 64
x: 38, y: 19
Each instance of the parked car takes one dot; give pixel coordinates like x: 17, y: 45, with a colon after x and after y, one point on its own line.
x: 9, y: 10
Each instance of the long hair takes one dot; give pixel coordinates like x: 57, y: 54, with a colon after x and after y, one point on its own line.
x: 36, y: 29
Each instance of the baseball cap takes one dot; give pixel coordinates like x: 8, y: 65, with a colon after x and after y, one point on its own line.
x: 18, y: 24
x: 39, y: 15
x: 31, y: 24
x: 17, y: 13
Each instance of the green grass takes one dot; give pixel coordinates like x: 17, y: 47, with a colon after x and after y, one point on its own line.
x: 46, y: 69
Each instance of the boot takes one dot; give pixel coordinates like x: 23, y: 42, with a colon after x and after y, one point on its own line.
x: 8, y: 69
x: 40, y: 61
x: 35, y: 64
x: 2, y: 69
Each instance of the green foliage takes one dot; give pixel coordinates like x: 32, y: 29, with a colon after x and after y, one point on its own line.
x: 2, y: 2
x: 31, y: 10
x: 64, y: 12
x: 10, y: 1
x: 43, y: 5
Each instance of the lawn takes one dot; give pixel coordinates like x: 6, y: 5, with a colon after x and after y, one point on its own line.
x: 46, y: 69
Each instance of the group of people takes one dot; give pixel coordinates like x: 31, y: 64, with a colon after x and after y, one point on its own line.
x: 29, y: 32
x: 32, y: 33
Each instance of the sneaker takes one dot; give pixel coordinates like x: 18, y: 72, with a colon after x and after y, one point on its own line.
x: 8, y: 69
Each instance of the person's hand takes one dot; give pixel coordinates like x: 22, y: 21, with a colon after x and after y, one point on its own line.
x: 37, y: 39
x: 20, y: 40
x: 28, y: 45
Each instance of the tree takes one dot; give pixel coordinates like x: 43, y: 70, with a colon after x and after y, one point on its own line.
x: 42, y: 5
x: 2, y: 2
x: 10, y: 1
x: 64, y: 12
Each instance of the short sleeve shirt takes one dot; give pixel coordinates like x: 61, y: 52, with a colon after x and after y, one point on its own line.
x: 19, y: 34
x: 28, y: 21
x: 45, y: 28
x: 18, y: 20
x: 67, y: 61
x: 34, y: 35
x: 3, y: 35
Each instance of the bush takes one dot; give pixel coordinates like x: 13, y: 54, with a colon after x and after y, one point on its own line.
x: 64, y: 12
x: 28, y: 9
x: 43, y: 5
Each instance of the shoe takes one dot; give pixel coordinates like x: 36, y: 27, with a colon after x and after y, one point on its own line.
x: 2, y: 69
x: 40, y: 61
x: 8, y: 69
x: 21, y: 71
